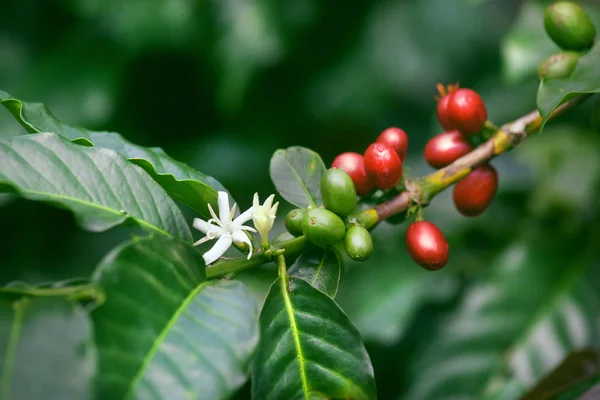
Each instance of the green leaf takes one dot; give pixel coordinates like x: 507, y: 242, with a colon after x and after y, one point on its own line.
x: 383, y: 295
x: 99, y: 186
x: 182, y: 182
x: 322, y: 268
x: 296, y: 173
x: 308, y: 348
x: 531, y: 308
x: 584, y: 79
x: 166, y: 332
x: 46, y: 350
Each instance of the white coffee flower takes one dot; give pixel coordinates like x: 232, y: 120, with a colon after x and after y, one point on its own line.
x: 224, y: 228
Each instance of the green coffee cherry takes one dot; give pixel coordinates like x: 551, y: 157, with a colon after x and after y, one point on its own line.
x: 294, y: 220
x: 569, y: 26
x: 358, y: 243
x: 559, y: 65
x: 338, y: 192
x: 323, y: 228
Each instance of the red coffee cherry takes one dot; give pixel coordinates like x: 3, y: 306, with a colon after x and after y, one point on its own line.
x: 396, y: 139
x: 445, y: 148
x: 442, y: 106
x: 442, y: 113
x: 383, y: 165
x: 474, y: 193
x: 427, y: 245
x: 354, y: 165
x: 467, y: 111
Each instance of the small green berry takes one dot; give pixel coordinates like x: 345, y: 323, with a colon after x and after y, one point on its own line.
x: 569, y: 26
x: 323, y: 228
x: 294, y: 220
x: 338, y: 192
x: 559, y: 65
x: 358, y: 243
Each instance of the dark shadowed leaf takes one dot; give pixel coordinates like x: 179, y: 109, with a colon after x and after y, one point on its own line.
x: 296, y: 173
x: 309, y: 348
x: 530, y: 309
x: 321, y: 268
x: 166, y: 332
x: 99, y: 186
x: 579, y: 366
x: 182, y: 182
x: 46, y: 350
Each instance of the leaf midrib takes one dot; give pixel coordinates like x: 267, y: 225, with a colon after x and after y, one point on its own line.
x: 296, y: 335
x: 302, y: 184
x: 94, y: 205
x: 33, y: 129
x: 161, y: 337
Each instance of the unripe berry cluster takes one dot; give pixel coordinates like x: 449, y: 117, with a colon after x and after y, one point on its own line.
x: 326, y: 226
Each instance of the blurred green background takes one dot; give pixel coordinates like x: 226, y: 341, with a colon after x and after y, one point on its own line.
x: 222, y: 84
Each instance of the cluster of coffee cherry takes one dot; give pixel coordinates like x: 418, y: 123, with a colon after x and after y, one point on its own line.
x: 324, y: 226
x: 462, y: 113
x: 376, y: 175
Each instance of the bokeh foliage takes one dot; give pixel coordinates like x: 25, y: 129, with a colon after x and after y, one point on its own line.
x: 222, y: 84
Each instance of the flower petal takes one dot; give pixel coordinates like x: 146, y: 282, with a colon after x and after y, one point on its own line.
x: 224, y: 210
x: 255, y: 201
x: 273, y: 212
x: 219, y: 248
x: 269, y: 202
x: 240, y: 236
x: 244, y: 217
x: 201, y: 225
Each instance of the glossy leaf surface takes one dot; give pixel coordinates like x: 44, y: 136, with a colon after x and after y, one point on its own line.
x: 191, y: 187
x: 166, y: 332
x: 309, y: 348
x: 321, y: 268
x: 296, y: 173
x: 99, y: 186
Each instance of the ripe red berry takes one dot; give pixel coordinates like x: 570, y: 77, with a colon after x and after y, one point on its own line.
x: 467, y: 111
x: 474, y: 193
x: 396, y: 139
x: 427, y: 245
x: 383, y: 165
x: 354, y: 165
x: 442, y: 114
x: 445, y: 148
